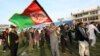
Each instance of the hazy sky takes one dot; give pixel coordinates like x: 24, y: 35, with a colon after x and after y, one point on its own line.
x: 54, y: 8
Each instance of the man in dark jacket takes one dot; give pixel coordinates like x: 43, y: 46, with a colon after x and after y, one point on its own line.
x: 13, y: 41
x: 64, y: 37
x: 83, y: 40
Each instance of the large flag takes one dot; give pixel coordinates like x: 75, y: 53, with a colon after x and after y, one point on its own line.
x: 34, y: 14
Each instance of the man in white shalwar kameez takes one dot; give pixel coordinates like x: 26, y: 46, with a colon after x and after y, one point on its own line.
x: 91, y: 33
x: 54, y: 41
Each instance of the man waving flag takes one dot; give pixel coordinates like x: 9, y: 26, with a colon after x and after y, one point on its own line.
x: 34, y: 14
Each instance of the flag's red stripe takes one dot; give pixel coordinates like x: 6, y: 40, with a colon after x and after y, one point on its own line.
x: 35, y: 7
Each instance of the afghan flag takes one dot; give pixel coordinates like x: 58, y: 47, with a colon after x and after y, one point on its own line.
x: 34, y: 14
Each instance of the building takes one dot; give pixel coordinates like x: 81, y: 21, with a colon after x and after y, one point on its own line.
x: 87, y: 15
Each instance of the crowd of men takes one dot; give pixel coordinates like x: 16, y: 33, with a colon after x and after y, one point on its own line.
x: 54, y: 36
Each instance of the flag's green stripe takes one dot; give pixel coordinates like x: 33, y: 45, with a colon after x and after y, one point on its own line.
x: 21, y: 21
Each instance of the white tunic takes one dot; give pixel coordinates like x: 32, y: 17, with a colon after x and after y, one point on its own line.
x: 53, y: 37
x: 91, y: 29
x: 54, y: 42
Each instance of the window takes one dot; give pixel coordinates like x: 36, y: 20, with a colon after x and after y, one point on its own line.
x: 86, y: 13
x: 84, y: 19
x: 75, y: 15
x: 96, y: 18
x: 78, y: 15
x: 93, y: 18
x: 94, y: 12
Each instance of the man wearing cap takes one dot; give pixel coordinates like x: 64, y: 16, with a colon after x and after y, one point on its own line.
x: 13, y: 41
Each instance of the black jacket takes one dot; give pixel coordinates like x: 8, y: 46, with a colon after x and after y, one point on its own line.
x: 13, y: 38
x: 80, y: 36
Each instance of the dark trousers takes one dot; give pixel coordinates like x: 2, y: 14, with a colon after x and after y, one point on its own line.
x: 14, y: 49
x: 70, y: 37
x: 5, y: 45
x: 63, y: 44
x: 42, y: 42
x: 48, y: 41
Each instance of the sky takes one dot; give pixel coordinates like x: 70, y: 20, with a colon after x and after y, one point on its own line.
x: 55, y: 8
